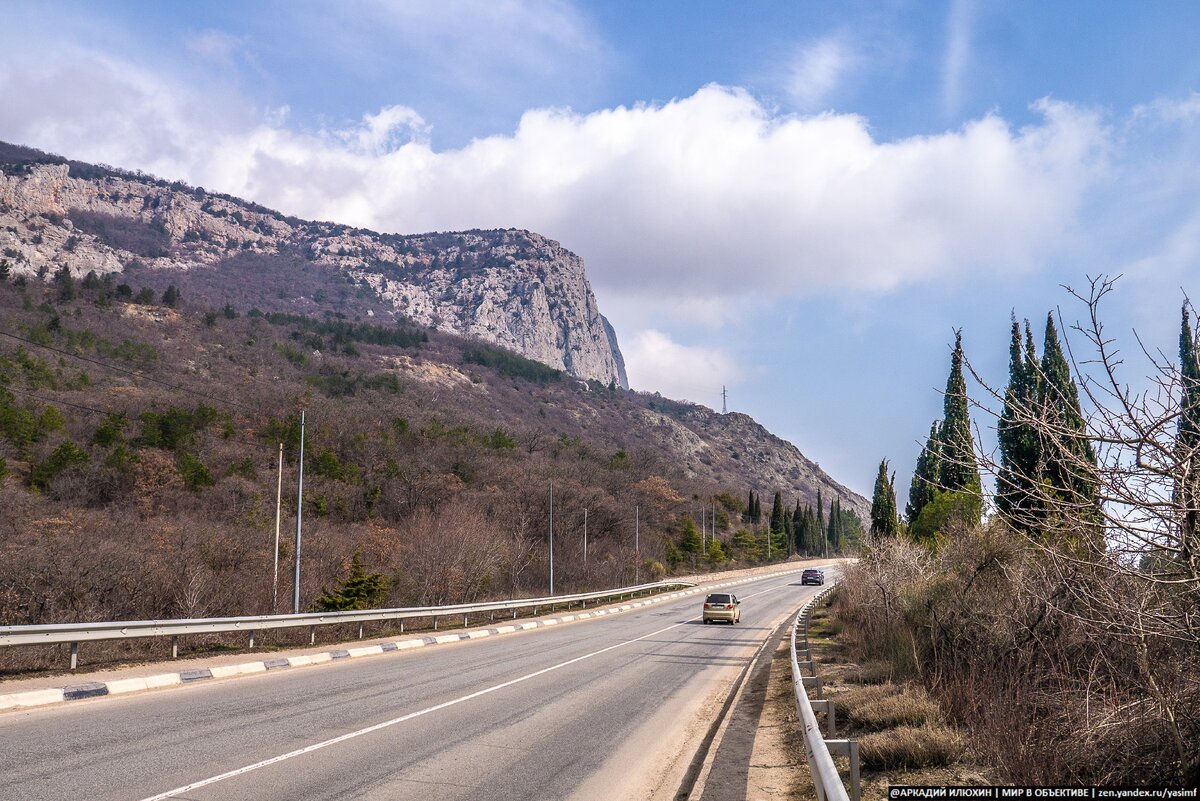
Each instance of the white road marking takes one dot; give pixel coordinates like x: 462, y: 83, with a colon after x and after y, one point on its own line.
x: 394, y: 721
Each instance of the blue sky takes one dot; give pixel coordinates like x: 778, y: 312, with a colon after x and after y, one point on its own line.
x: 801, y: 201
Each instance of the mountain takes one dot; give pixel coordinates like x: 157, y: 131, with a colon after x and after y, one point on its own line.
x: 512, y: 288
x: 144, y: 402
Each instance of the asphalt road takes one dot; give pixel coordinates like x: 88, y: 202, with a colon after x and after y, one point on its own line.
x: 602, y: 709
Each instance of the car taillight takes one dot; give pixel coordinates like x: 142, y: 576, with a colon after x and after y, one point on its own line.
x: 728, y: 606
x: 708, y: 606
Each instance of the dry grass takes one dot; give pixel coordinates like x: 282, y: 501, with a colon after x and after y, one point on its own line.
x: 911, y: 747
x: 884, y: 706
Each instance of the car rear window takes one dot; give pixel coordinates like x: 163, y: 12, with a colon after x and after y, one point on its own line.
x: 717, y: 599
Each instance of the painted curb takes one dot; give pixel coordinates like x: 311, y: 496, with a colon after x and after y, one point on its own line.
x: 96, y: 689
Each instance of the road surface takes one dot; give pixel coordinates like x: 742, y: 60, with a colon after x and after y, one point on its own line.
x: 605, y: 709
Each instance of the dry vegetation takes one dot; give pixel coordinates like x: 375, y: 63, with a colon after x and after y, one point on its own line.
x: 138, y: 458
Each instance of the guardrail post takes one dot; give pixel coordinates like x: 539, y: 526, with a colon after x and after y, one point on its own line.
x: 252, y: 638
x: 174, y: 647
x: 401, y: 625
x: 848, y: 749
x: 435, y: 622
x: 312, y: 635
x: 74, y: 655
x: 464, y: 620
x: 360, y: 631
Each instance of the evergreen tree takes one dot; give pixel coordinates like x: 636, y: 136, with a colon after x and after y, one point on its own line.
x: 1070, y: 460
x: 1020, y: 449
x: 883, y: 504
x: 958, y: 471
x: 4, y: 269
x: 925, y: 476
x: 750, y: 507
x: 690, y: 543
x: 831, y: 534
x: 66, y: 284
x: 775, y: 529
x: 170, y: 296
x: 798, y: 527
x: 1187, y: 442
x: 360, y: 590
x: 820, y: 512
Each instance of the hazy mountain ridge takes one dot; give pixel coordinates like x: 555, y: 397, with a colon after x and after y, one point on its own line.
x: 512, y: 288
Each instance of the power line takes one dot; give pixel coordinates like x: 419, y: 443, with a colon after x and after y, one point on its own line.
x: 59, y: 402
x: 133, y: 373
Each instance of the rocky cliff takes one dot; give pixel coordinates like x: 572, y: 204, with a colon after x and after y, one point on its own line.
x: 512, y: 288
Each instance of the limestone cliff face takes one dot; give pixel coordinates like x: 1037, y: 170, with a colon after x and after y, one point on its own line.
x: 512, y: 288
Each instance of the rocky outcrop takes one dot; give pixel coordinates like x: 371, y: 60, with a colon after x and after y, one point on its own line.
x: 512, y: 288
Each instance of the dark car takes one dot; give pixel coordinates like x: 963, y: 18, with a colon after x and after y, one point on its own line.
x: 812, y: 576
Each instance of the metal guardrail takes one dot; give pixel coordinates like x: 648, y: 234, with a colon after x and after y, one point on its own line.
x: 825, y: 777
x: 75, y: 633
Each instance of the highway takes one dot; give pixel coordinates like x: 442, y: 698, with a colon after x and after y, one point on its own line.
x: 605, y: 709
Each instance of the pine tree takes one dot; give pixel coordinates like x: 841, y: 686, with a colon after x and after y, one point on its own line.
x: 925, y: 476
x: 170, y: 296
x: 690, y: 543
x: 1071, y: 459
x: 360, y: 590
x: 883, y: 504
x: 750, y: 507
x: 4, y: 269
x: 958, y: 471
x: 66, y: 284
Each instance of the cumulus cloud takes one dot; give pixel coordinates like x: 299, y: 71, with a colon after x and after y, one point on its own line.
x: 708, y: 199
x: 655, y: 361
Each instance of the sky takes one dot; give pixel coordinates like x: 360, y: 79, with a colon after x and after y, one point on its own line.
x: 798, y: 201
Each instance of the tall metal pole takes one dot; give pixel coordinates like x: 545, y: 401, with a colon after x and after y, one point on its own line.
x: 278, y: 505
x: 585, y: 535
x: 637, y: 545
x: 551, y: 536
x: 299, y: 521
x: 703, y: 523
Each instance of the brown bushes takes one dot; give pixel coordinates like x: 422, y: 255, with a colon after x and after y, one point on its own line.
x: 1017, y: 648
x: 910, y: 748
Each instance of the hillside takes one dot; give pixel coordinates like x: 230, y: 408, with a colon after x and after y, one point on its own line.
x: 139, y: 432
x: 511, y: 288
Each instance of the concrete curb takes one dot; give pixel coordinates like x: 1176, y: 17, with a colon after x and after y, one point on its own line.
x: 73, y: 692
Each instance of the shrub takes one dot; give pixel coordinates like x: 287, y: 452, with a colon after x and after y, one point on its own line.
x: 66, y: 455
x: 510, y: 364
x: 193, y: 472
x: 910, y: 748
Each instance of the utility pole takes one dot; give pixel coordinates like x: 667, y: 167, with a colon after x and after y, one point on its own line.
x: 585, y: 535
x: 551, y: 536
x: 299, y: 522
x: 724, y: 396
x: 278, y: 506
x: 703, y: 522
x: 637, y: 545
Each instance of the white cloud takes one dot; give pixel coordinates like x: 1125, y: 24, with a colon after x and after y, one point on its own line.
x: 816, y: 70
x: 654, y: 361
x: 710, y: 200
x: 959, y: 28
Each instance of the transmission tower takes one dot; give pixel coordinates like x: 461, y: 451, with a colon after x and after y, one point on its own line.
x: 724, y: 397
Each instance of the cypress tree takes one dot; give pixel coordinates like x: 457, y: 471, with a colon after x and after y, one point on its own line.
x: 1020, y: 449
x: 775, y: 528
x: 1070, y: 460
x: 750, y: 507
x: 820, y: 512
x: 925, y: 477
x: 958, y: 471
x: 1187, y: 443
x: 832, y: 534
x: 883, y: 504
x: 798, y: 527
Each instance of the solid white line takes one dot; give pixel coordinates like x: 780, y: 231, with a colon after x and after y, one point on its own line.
x: 394, y: 721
